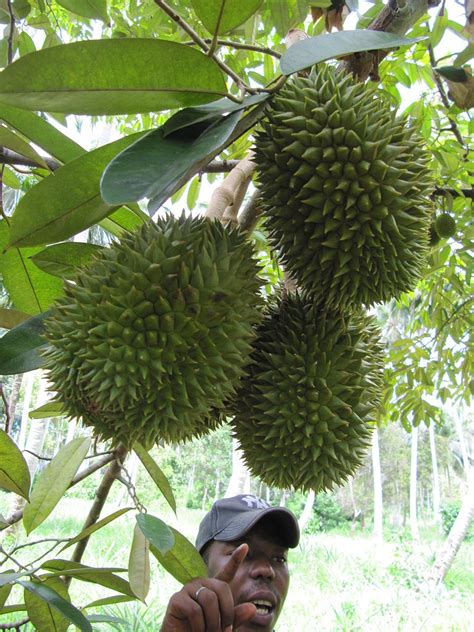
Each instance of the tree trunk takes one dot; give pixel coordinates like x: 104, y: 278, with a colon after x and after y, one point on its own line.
x: 464, y: 452
x: 446, y: 555
x: 307, y: 511
x: 13, y: 399
x: 240, y: 480
x: 413, y: 484
x: 434, y: 466
x: 378, y: 491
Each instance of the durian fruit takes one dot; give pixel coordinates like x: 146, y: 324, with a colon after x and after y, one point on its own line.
x: 445, y: 225
x: 345, y: 187
x: 313, y: 384
x: 153, y: 335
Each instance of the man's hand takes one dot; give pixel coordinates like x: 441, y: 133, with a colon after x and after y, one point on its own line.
x: 207, y: 605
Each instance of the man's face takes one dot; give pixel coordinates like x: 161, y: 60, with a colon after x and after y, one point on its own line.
x: 262, y: 578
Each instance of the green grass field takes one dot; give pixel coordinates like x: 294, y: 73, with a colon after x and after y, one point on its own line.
x: 340, y: 581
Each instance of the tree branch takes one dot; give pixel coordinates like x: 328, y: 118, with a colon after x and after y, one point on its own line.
x: 8, y: 157
x: 250, y: 213
x: 14, y: 626
x: 220, y: 166
x: 467, y: 193
x: 11, y: 33
x: 397, y: 16
x: 101, y: 494
x: 6, y: 408
x: 18, y: 515
x: 239, y: 46
x: 226, y: 198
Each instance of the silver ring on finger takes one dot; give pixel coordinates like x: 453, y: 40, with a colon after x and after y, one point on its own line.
x: 198, y: 591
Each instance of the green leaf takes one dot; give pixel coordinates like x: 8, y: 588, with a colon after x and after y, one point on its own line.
x: 56, y: 601
x: 85, y: 533
x: 10, y: 178
x: 156, y: 531
x: 92, y: 9
x: 40, y: 132
x: 139, y: 564
x: 14, y: 472
x: 314, y: 50
x: 50, y: 409
x: 106, y: 618
x: 452, y: 73
x: 67, y: 201
x: 20, y: 347
x: 62, y: 260
x: 154, y: 166
x: 14, y: 142
x: 31, y: 290
x: 15, y: 607
x: 10, y: 318
x: 221, y: 16
x: 4, y: 594
x: 103, y: 576
x: 183, y: 560
x: 134, y: 75
x: 106, y: 601
x: 156, y: 474
x: 53, y: 482
x: 465, y: 55
x: 43, y: 615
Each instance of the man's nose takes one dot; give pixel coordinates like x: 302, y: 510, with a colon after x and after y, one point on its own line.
x: 262, y: 568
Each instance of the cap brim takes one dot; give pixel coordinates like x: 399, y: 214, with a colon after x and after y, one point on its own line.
x: 288, y: 528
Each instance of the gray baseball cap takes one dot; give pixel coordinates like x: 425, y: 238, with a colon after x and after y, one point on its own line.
x: 231, y: 518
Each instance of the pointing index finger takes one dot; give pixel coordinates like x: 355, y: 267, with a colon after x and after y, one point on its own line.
x: 227, y: 573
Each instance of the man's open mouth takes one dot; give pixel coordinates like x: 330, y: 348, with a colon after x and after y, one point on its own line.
x: 263, y: 607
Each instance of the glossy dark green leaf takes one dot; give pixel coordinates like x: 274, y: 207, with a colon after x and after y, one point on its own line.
x: 153, y: 166
x: 103, y: 576
x: 30, y: 289
x: 221, y: 16
x: 14, y: 472
x: 85, y: 533
x: 314, y: 50
x: 64, y: 259
x: 53, y: 482
x: 156, y: 474
x: 59, y: 603
x: 10, y: 318
x: 42, y: 614
x: 92, y: 9
x: 141, y: 166
x: 20, y: 347
x: 156, y: 531
x: 67, y: 201
x: 182, y: 560
x: 116, y: 76
x: 40, y: 132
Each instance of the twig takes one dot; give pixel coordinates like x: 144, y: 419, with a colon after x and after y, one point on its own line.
x: 220, y: 166
x: 9, y: 157
x: 237, y: 45
x: 7, y: 410
x: 9, y: 556
x: 467, y: 193
x: 11, y: 33
x: 47, y: 458
x: 18, y: 515
x: 14, y: 626
x: 249, y: 215
x: 23, y: 546
x: 444, y: 98
x: 101, y: 494
x: 207, y: 49
x: 453, y: 314
x: 126, y: 480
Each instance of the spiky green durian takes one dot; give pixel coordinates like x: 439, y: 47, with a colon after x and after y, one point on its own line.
x: 345, y: 187
x: 155, y: 332
x: 302, y: 412
x: 445, y: 225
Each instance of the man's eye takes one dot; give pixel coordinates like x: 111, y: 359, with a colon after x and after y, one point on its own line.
x: 281, y: 559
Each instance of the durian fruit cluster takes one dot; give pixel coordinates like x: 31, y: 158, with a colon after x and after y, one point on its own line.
x: 345, y: 189
x: 154, y: 334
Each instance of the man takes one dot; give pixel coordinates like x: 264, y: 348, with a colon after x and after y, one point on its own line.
x: 244, y: 543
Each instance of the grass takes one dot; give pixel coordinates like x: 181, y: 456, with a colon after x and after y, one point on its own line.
x: 340, y: 581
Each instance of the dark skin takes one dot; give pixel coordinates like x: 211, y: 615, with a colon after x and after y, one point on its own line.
x: 253, y: 569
